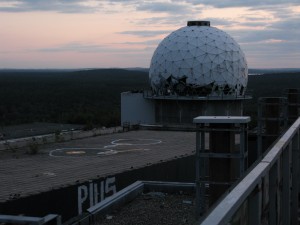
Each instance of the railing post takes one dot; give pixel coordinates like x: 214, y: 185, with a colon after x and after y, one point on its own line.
x: 273, y: 194
x: 200, y: 172
x: 243, y: 148
x: 198, y: 192
x: 293, y: 98
x: 286, y: 193
x: 295, y: 178
x: 255, y: 206
x: 259, y: 129
x: 271, y: 188
x: 221, y: 162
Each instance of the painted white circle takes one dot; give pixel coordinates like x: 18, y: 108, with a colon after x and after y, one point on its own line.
x: 107, y: 152
x: 116, y: 146
x: 75, y: 152
x: 136, y: 142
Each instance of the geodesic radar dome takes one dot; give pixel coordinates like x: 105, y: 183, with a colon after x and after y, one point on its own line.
x: 198, y: 60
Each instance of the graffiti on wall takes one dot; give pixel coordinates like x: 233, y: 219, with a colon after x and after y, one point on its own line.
x: 94, y: 192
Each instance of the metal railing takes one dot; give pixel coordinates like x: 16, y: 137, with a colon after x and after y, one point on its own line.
x: 50, y: 219
x: 268, y: 194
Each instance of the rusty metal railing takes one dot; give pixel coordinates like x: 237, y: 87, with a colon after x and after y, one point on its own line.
x: 268, y: 194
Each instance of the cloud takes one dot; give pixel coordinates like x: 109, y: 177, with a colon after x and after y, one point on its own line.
x: 238, y: 3
x: 153, y: 42
x: 124, y: 1
x: 87, y: 48
x: 277, y: 44
x: 61, y: 6
x: 173, y: 21
x: 290, y: 24
x: 183, y: 7
x: 219, y: 22
x: 162, y: 7
x: 73, y: 47
x: 146, y: 33
x: 88, y: 6
x: 287, y: 30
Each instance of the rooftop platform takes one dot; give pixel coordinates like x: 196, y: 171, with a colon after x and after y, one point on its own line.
x: 63, y: 164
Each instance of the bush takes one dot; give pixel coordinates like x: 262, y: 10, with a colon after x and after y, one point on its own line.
x: 33, y: 147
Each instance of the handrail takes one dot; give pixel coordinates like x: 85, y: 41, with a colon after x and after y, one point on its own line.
x: 226, y: 209
x: 50, y: 218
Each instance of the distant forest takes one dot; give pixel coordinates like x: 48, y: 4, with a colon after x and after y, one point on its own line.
x: 92, y: 97
x: 268, y: 85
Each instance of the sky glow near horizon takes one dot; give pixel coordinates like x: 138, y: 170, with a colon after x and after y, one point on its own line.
x: 125, y: 33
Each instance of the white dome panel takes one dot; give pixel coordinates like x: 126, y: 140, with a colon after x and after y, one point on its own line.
x: 201, y: 60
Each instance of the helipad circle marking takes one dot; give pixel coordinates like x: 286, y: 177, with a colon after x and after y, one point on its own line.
x: 127, y: 142
x: 78, y: 152
x: 109, y: 152
x: 107, y: 149
x: 73, y: 152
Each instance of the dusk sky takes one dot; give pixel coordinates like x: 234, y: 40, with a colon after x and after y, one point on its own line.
x: 125, y: 33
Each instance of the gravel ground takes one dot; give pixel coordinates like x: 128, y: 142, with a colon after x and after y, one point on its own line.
x: 154, y: 208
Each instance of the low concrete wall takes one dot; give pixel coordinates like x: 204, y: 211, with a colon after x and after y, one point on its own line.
x: 56, y: 137
x: 72, y: 202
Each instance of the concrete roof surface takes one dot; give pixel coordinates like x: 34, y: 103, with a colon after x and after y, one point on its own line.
x: 62, y: 164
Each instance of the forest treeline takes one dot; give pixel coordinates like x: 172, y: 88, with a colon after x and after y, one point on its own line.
x: 268, y: 85
x: 89, y: 97
x: 92, y: 97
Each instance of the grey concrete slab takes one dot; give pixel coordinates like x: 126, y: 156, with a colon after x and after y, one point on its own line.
x: 67, y: 163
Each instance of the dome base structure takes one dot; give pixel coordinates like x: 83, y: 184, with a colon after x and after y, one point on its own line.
x: 145, y: 108
x: 178, y: 86
x: 183, y: 112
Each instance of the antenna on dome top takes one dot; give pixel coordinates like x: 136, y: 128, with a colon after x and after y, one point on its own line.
x: 198, y: 23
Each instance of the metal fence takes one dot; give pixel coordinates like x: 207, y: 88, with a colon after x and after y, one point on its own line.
x: 50, y: 219
x: 268, y: 194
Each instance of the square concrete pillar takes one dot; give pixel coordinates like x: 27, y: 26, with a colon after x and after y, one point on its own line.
x: 221, y: 156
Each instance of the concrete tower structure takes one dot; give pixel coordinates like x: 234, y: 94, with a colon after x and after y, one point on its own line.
x: 196, y: 70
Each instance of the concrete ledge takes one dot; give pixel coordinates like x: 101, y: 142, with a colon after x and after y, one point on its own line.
x: 132, y: 191
x: 120, y: 198
x: 60, y: 137
x: 222, y: 119
x: 169, y: 127
x: 31, y: 220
